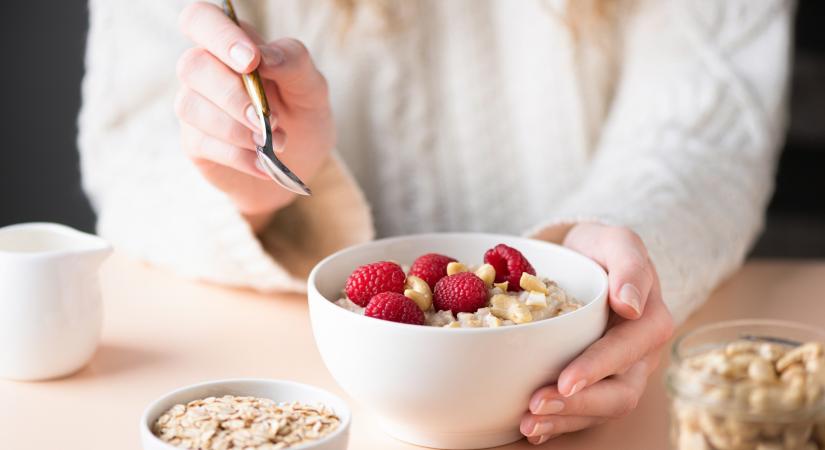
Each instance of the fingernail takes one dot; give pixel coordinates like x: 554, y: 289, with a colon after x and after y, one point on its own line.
x: 536, y: 405
x: 542, y: 439
x: 552, y: 407
x: 544, y: 429
x: 576, y: 388
x: 272, y: 56
x: 279, y: 142
x: 258, y: 138
x: 241, y: 54
x: 252, y: 117
x: 630, y: 296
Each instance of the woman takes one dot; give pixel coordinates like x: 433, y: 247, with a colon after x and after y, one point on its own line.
x: 640, y: 133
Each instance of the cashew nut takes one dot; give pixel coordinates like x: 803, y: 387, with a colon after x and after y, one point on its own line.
x: 487, y: 273
x: 508, y: 307
x: 536, y: 299
x: 418, y: 291
x: 761, y: 370
x: 803, y: 353
x: 533, y: 283
x: 456, y: 267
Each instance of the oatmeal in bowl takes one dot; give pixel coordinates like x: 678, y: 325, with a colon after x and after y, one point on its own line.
x: 448, y: 357
x: 439, y: 291
x: 246, y: 413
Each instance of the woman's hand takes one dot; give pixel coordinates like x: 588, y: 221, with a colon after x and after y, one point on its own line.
x: 219, y: 124
x: 607, y: 380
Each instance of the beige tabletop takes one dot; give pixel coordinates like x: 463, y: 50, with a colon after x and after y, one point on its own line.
x: 162, y: 332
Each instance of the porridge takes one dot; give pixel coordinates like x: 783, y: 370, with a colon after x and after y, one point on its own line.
x: 439, y: 291
x: 250, y: 423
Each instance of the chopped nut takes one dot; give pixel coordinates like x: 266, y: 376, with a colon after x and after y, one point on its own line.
x: 503, y: 285
x: 468, y: 320
x: 487, y: 273
x: 536, y: 299
x: 492, y: 321
x: 456, y: 267
x: 507, y: 307
x: 530, y: 282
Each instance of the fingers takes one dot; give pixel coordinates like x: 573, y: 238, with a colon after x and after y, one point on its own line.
x: 201, y: 72
x: 201, y: 147
x: 624, y: 256
x: 195, y: 110
x: 628, y: 271
x: 611, y: 397
x: 287, y: 62
x: 208, y: 26
x: 551, y: 426
x: 538, y: 440
x: 620, y: 347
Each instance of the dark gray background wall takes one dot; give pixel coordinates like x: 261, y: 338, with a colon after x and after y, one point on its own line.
x: 43, y: 43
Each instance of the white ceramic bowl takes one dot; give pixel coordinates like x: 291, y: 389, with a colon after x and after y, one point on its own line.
x: 277, y: 390
x: 452, y: 388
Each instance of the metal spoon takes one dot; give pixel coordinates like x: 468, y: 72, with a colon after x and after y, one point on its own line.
x: 266, y: 154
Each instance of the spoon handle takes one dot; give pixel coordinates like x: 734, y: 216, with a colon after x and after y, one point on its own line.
x: 251, y: 81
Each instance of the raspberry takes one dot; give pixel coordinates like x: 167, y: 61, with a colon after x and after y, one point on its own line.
x: 394, y: 307
x: 509, y: 264
x: 375, y: 278
x: 461, y: 292
x: 431, y: 267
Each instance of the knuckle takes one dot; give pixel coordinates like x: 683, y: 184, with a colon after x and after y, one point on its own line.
x: 190, y: 15
x: 238, y: 133
x: 235, y: 157
x: 666, y: 326
x: 323, y: 85
x: 183, y: 103
x: 191, y: 142
x: 232, y: 97
x: 187, y: 15
x: 628, y: 403
x: 637, y: 268
x: 190, y: 61
x: 294, y: 47
x: 629, y: 236
x: 225, y: 35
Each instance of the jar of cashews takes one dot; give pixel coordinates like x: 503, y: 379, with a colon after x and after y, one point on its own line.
x: 748, y: 385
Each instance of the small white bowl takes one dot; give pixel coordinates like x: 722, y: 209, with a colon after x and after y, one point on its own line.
x: 452, y: 388
x: 277, y: 390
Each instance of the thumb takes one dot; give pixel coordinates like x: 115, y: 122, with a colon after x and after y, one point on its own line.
x: 288, y: 63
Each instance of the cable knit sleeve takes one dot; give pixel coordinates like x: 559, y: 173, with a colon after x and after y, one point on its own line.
x: 687, y: 156
x: 150, y: 200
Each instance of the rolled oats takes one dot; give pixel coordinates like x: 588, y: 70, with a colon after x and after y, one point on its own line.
x: 249, y: 423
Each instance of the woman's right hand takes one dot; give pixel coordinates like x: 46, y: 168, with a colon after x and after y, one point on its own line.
x: 219, y: 124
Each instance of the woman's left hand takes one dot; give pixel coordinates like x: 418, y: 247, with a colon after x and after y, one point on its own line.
x: 607, y: 380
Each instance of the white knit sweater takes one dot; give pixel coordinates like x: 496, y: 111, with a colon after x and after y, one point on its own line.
x: 470, y: 115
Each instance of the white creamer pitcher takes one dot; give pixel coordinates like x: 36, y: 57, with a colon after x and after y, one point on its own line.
x: 50, y: 306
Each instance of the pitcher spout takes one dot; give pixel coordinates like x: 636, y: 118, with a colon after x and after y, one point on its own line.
x: 52, y: 240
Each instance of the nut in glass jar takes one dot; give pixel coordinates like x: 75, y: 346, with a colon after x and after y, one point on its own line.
x: 748, y: 385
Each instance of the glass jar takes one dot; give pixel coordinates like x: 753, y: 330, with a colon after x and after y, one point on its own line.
x: 748, y: 385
